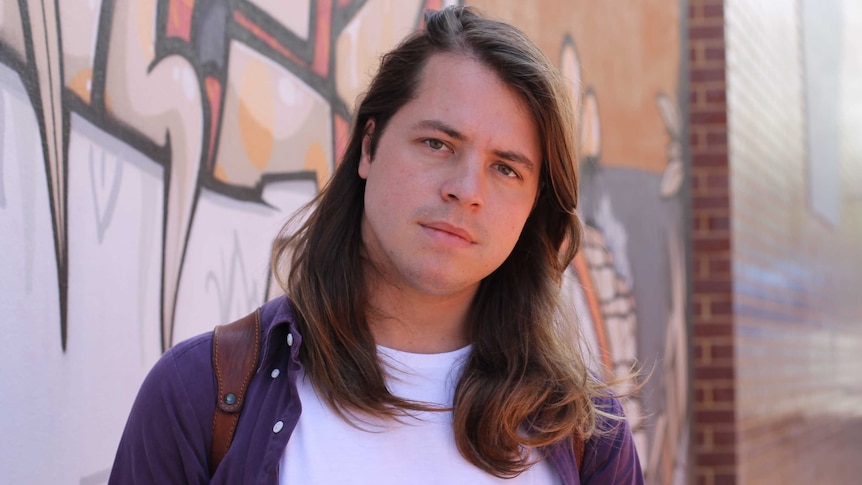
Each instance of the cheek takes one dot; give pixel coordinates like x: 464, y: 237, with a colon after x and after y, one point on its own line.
x: 388, y: 199
x: 517, y: 213
x: 509, y: 226
x: 388, y: 193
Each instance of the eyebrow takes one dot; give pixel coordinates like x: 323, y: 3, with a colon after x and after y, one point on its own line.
x: 510, y: 155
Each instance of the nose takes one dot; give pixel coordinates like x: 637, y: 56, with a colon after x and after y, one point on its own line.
x: 465, y: 182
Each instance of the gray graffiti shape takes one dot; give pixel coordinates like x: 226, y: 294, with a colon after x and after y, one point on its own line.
x: 229, y: 275
x: 104, y: 215
x: 99, y: 478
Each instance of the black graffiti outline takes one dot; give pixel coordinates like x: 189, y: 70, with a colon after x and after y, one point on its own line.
x: 95, y: 111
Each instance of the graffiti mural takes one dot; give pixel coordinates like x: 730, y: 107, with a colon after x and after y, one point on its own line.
x: 151, y: 149
x: 149, y: 152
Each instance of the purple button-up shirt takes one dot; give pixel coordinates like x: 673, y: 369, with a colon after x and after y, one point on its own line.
x: 169, y: 431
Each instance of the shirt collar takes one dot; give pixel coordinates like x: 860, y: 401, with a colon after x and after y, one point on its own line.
x: 278, y: 319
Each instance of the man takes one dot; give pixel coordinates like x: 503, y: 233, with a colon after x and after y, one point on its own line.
x: 421, y: 339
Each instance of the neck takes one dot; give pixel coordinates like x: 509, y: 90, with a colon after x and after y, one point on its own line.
x: 411, y: 321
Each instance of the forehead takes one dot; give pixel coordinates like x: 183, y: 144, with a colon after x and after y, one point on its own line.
x: 465, y: 93
x: 469, y: 77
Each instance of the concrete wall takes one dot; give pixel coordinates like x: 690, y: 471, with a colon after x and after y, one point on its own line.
x: 776, y: 93
x: 794, y: 98
x: 150, y: 150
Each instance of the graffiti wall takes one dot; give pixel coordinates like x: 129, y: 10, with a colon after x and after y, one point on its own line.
x: 151, y: 149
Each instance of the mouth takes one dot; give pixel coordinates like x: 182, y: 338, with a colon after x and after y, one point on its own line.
x: 449, y: 230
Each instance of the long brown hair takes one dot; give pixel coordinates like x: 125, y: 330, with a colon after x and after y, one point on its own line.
x: 525, y: 384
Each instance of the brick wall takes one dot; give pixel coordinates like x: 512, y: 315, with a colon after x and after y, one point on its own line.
x: 712, y: 299
x: 796, y: 278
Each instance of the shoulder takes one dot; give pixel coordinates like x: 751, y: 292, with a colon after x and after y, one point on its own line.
x: 169, y: 430
x: 188, y: 363
x: 167, y: 435
x: 610, y: 455
x: 182, y: 382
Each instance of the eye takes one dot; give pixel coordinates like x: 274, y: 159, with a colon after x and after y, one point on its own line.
x: 435, y: 144
x: 507, y: 170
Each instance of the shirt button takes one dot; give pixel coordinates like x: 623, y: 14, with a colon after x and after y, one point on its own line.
x: 290, y: 340
x: 278, y: 426
x: 275, y: 373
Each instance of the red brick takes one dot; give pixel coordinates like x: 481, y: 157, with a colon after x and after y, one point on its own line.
x: 717, y: 320
x: 702, y: 330
x: 706, y: 74
x: 709, y: 160
x: 696, y: 182
x: 697, y: 352
x: 716, y: 244
x: 710, y: 43
x: 702, y: 202
x: 713, y: 11
x: 711, y: 85
x: 700, y: 225
x: 719, y: 267
x: 716, y: 139
x: 724, y: 437
x: 714, y: 416
x: 722, y: 351
x: 694, y: 54
x: 724, y: 394
x: 712, y: 372
x: 712, y: 328
x: 713, y: 54
x: 717, y: 458
x: 709, y: 2
x: 716, y: 180
x: 725, y: 478
x: 704, y: 21
x: 719, y: 223
x: 712, y: 285
x: 721, y: 307
x: 714, y: 116
x: 719, y: 153
x: 706, y: 32
x: 715, y: 97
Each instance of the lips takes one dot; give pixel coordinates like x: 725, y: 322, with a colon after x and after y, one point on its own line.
x: 450, y: 229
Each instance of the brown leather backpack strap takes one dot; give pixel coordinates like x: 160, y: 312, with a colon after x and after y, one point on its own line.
x: 578, y: 446
x: 236, y: 350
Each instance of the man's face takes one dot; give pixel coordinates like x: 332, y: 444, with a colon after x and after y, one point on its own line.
x: 453, y: 180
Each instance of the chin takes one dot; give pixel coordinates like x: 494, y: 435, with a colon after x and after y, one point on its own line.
x: 444, y: 285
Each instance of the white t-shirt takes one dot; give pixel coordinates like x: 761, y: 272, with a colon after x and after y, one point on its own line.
x: 324, y: 449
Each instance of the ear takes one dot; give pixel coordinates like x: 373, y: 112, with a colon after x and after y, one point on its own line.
x: 365, y: 156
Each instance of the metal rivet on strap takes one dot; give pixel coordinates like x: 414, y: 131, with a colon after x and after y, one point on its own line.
x: 230, y: 399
